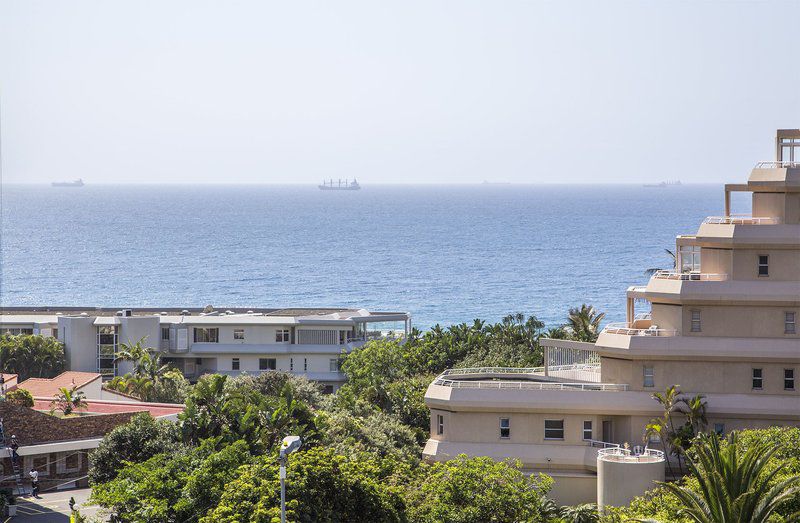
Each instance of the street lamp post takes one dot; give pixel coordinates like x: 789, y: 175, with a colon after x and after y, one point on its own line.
x: 289, y: 445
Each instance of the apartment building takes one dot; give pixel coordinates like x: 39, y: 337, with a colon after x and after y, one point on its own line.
x: 199, y: 341
x: 722, y: 323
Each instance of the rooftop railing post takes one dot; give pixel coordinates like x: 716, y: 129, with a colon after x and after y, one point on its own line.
x: 727, y: 202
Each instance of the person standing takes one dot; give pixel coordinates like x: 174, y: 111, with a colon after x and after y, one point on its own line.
x: 14, y: 447
x: 34, y: 474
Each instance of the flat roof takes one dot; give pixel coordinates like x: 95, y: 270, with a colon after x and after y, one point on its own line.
x: 196, y: 315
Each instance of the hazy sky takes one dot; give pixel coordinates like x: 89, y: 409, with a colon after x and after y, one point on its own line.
x: 394, y: 92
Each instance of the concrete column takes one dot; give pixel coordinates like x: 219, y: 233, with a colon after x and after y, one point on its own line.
x: 727, y: 202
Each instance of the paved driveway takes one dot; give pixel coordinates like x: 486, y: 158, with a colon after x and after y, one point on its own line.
x: 51, y: 507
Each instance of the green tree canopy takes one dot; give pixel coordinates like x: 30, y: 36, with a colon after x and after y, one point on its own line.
x: 31, y: 356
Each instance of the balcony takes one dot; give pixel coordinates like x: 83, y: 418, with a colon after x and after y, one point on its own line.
x: 638, y: 329
x: 777, y: 165
x: 741, y: 219
x: 622, y: 455
x: 689, y: 276
x: 504, y: 378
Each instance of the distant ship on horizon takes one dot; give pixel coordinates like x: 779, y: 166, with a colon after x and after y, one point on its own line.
x: 340, y: 186
x: 663, y: 184
x: 74, y: 183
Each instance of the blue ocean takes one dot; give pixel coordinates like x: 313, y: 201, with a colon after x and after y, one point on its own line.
x: 447, y: 254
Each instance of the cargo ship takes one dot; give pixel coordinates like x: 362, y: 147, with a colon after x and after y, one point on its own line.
x: 74, y: 183
x: 339, y: 185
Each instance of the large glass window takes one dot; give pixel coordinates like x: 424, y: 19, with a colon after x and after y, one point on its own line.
x: 554, y: 429
x: 689, y: 258
x: 238, y: 334
x: 282, y: 335
x: 439, y: 424
x: 106, y: 349
x: 206, y: 335
x: 267, y: 364
x: 234, y: 363
x: 165, y: 333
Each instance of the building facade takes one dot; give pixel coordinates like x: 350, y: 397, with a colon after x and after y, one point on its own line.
x: 199, y: 341
x: 722, y: 323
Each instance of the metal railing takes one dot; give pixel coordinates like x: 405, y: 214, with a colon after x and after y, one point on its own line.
x: 596, y: 443
x: 624, y: 455
x: 518, y: 371
x: 777, y: 165
x: 643, y: 316
x: 740, y: 219
x: 627, y: 330
x: 529, y: 385
x: 690, y: 276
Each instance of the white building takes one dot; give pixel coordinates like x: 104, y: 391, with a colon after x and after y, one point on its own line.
x: 199, y: 341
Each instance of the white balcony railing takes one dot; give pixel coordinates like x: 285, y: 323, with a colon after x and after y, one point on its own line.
x: 626, y: 330
x: 689, y: 276
x: 740, y: 219
x: 517, y: 371
x: 623, y: 455
x: 777, y: 165
x: 528, y: 385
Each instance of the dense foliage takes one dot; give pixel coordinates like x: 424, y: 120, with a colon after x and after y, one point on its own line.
x: 31, y: 356
x: 151, y: 380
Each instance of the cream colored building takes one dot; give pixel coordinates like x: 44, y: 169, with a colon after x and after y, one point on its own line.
x: 723, y: 323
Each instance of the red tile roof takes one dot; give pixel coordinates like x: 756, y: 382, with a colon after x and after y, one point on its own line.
x: 117, y: 407
x: 50, y: 386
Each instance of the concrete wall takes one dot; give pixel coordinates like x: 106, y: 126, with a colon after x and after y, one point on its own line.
x: 740, y: 321
x: 79, y: 336
x: 619, y: 482
x: 784, y: 264
x: 573, y: 488
x: 700, y: 376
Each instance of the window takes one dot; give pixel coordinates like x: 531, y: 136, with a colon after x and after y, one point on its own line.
x: 649, y: 376
x: 267, y: 364
x: 282, y: 335
x: 788, y: 379
x: 291, y: 364
x: 758, y: 378
x: 788, y: 323
x: 238, y: 334
x: 505, y: 428
x: 689, y: 258
x: 305, y: 364
x: 16, y: 331
x: 719, y: 429
x: 235, y: 364
x: 439, y: 424
x: 165, y: 333
x: 554, y: 429
x: 55, y: 332
x: 696, y: 326
x: 334, y: 364
x: 587, y: 430
x: 328, y: 389
x: 204, y: 335
x: 763, y: 265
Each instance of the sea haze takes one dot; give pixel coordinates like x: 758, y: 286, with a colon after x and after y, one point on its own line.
x: 447, y: 254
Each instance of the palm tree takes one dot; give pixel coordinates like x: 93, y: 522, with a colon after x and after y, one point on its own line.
x: 733, y: 487
x: 68, y: 400
x: 653, y: 270
x: 584, y: 322
x: 664, y: 426
x: 694, y: 409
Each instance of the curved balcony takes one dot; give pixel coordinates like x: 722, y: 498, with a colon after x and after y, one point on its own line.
x: 627, y: 330
x: 623, y: 455
x: 741, y: 219
x: 690, y: 276
x: 526, y: 379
